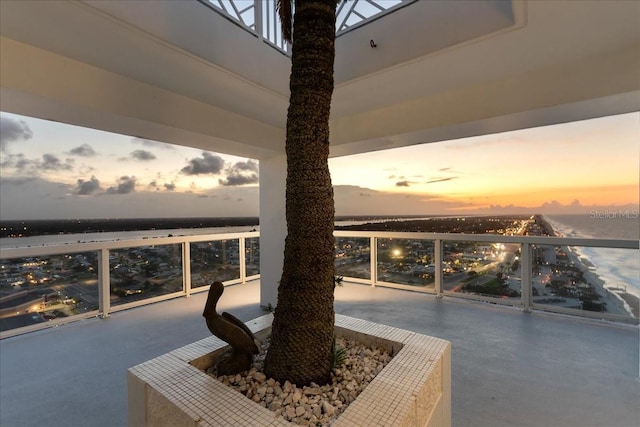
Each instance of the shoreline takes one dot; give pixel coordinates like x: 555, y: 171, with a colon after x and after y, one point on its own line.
x: 632, y: 301
x: 617, y: 302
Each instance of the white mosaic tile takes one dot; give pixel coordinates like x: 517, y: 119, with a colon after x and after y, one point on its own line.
x: 414, y: 385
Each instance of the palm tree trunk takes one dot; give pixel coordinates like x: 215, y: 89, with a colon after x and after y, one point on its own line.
x: 302, y: 331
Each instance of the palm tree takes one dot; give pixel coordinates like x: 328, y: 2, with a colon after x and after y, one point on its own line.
x: 303, y: 324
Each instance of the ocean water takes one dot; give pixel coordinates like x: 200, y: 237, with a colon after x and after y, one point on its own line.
x: 618, y: 268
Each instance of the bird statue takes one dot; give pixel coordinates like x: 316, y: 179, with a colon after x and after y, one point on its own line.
x: 233, y: 331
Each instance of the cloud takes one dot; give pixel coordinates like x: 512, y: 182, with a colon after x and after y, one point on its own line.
x: 150, y: 143
x: 19, y: 181
x: 36, y: 198
x: 434, y: 180
x: 23, y: 163
x: 85, y: 188
x: 143, y: 155
x: 249, y: 165
x: 83, y: 150
x: 48, y: 163
x: 125, y: 185
x: 417, y: 179
x: 153, y: 185
x: 241, y: 173
x: 208, y: 164
x: 12, y: 130
x: 355, y: 200
x: 53, y: 163
x: 552, y: 204
x: 17, y: 161
x: 85, y: 169
x: 555, y: 207
x: 32, y: 198
x: 233, y: 180
x: 352, y: 200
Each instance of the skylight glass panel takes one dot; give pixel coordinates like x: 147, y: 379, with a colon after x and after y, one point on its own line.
x: 354, y: 13
x: 242, y: 11
x: 350, y: 14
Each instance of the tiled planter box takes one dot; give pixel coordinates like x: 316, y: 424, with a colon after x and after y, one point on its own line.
x: 414, y: 389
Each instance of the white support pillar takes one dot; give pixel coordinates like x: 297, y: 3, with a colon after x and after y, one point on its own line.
x: 273, y: 226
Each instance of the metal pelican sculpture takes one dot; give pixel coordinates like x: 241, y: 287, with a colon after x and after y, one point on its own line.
x: 230, y: 329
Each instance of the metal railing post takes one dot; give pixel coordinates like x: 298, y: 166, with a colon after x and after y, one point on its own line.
x: 526, y: 276
x: 373, y: 259
x: 242, y: 260
x: 437, y: 254
x: 104, y: 279
x: 186, y: 268
x: 257, y: 16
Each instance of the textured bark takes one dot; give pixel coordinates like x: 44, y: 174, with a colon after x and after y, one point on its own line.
x: 302, y: 331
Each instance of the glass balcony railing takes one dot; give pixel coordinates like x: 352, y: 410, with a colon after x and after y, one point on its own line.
x: 353, y: 258
x: 51, y: 284
x: 144, y: 272
x: 486, y: 269
x: 531, y: 272
x: 42, y: 286
x: 406, y: 262
x: 214, y: 260
x: 564, y: 279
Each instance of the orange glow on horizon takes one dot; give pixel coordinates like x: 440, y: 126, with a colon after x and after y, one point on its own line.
x: 610, y: 195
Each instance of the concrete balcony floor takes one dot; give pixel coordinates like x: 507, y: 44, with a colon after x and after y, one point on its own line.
x: 510, y: 368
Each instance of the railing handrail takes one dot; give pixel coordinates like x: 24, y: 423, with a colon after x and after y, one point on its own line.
x: 68, y: 248
x: 496, y: 238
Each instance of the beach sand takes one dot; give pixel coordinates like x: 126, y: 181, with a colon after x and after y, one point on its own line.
x: 618, y: 303
x: 632, y: 301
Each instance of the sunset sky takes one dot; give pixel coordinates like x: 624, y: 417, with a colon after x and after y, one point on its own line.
x: 49, y: 170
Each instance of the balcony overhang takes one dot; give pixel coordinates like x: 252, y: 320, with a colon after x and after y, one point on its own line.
x: 168, y: 71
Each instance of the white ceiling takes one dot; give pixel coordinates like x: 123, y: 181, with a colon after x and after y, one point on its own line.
x: 441, y: 70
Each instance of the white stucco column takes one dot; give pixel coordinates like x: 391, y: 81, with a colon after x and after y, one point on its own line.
x: 273, y: 226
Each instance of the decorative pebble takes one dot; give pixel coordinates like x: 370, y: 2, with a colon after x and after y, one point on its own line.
x: 314, y: 405
x: 328, y: 408
x: 300, y: 411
